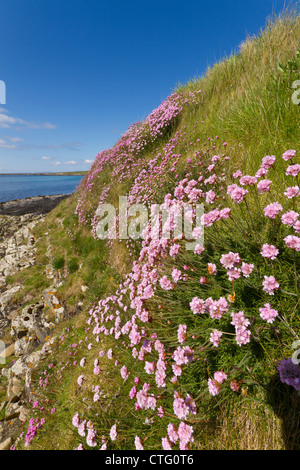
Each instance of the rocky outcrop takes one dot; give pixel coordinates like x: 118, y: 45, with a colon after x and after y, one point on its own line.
x: 32, y: 205
x: 18, y: 251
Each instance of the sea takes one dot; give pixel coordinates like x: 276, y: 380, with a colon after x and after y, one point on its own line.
x: 22, y: 186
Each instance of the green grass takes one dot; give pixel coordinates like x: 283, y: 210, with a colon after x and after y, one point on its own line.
x: 246, y: 101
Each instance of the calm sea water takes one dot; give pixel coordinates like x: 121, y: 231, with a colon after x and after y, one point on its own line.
x: 22, y: 186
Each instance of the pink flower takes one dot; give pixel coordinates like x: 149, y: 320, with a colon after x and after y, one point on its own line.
x: 80, y: 380
x: 270, y: 284
x: 214, y: 387
x: 293, y: 170
x: 220, y: 376
x: 197, y: 305
x: 181, y: 333
x: 268, y: 161
x: 124, y: 373
x: 236, y: 193
x: 272, y: 210
x: 263, y: 186
x: 292, y: 191
x: 185, y: 434
x: 247, y: 269
x: 76, y: 420
x: 234, y: 273
x: 267, y: 313
x: 248, y: 180
x: 215, y: 337
x: 290, y: 218
x: 288, y: 154
x: 237, y: 174
x: 176, y: 275
x: 230, y: 260
x: 165, y: 283
x: 172, y: 433
x: 174, y: 250
x: 113, y: 432
x: 91, y: 438
x: 132, y: 392
x: 210, y: 197
x: 293, y: 242
x: 212, y: 268
x: 166, y: 445
x: 269, y: 251
x: 138, y: 443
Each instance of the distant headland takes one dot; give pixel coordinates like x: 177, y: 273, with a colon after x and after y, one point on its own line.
x: 61, y: 173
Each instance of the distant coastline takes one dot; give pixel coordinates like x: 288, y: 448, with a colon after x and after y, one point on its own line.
x: 61, y: 173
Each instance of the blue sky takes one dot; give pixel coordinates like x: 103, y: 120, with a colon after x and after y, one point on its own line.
x: 78, y: 72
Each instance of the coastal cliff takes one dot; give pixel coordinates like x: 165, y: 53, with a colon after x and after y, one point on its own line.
x: 146, y: 342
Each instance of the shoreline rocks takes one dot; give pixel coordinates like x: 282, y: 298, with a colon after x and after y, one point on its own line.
x: 38, y: 205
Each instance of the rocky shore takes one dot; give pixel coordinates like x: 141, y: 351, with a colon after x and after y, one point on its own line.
x: 36, y: 205
x: 25, y: 327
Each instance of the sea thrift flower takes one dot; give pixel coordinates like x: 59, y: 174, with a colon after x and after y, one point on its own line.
x: 166, y: 445
x: 220, y: 376
x: 269, y: 251
x: 293, y: 242
x: 214, y: 387
x: 138, y: 443
x: 165, y: 283
x: 248, y: 180
x: 267, y: 313
x: 124, y: 373
x: 185, y: 434
x: 292, y: 191
x: 174, y: 250
x: 234, y: 273
x: 212, y: 268
x: 230, y: 260
x: 91, y: 438
x: 181, y: 333
x: 197, y: 305
x: 293, y: 170
x: 290, y: 218
x: 236, y: 193
x: 270, y: 284
x: 268, y: 161
x: 215, y: 337
x: 263, y: 186
x: 172, y: 433
x: 80, y: 380
x: 113, y: 432
x: 288, y: 154
x: 247, y: 269
x: 272, y: 210
x: 76, y: 420
x: 176, y: 275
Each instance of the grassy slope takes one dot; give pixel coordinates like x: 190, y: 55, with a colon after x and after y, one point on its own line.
x: 246, y: 101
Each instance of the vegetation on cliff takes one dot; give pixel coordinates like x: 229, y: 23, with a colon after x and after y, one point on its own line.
x: 180, y: 348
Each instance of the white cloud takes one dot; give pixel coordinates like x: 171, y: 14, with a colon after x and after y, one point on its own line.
x: 57, y: 163
x: 5, y: 145
x: 88, y: 161
x: 7, y: 122
x: 14, y: 139
x: 71, y: 162
x: 46, y: 158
